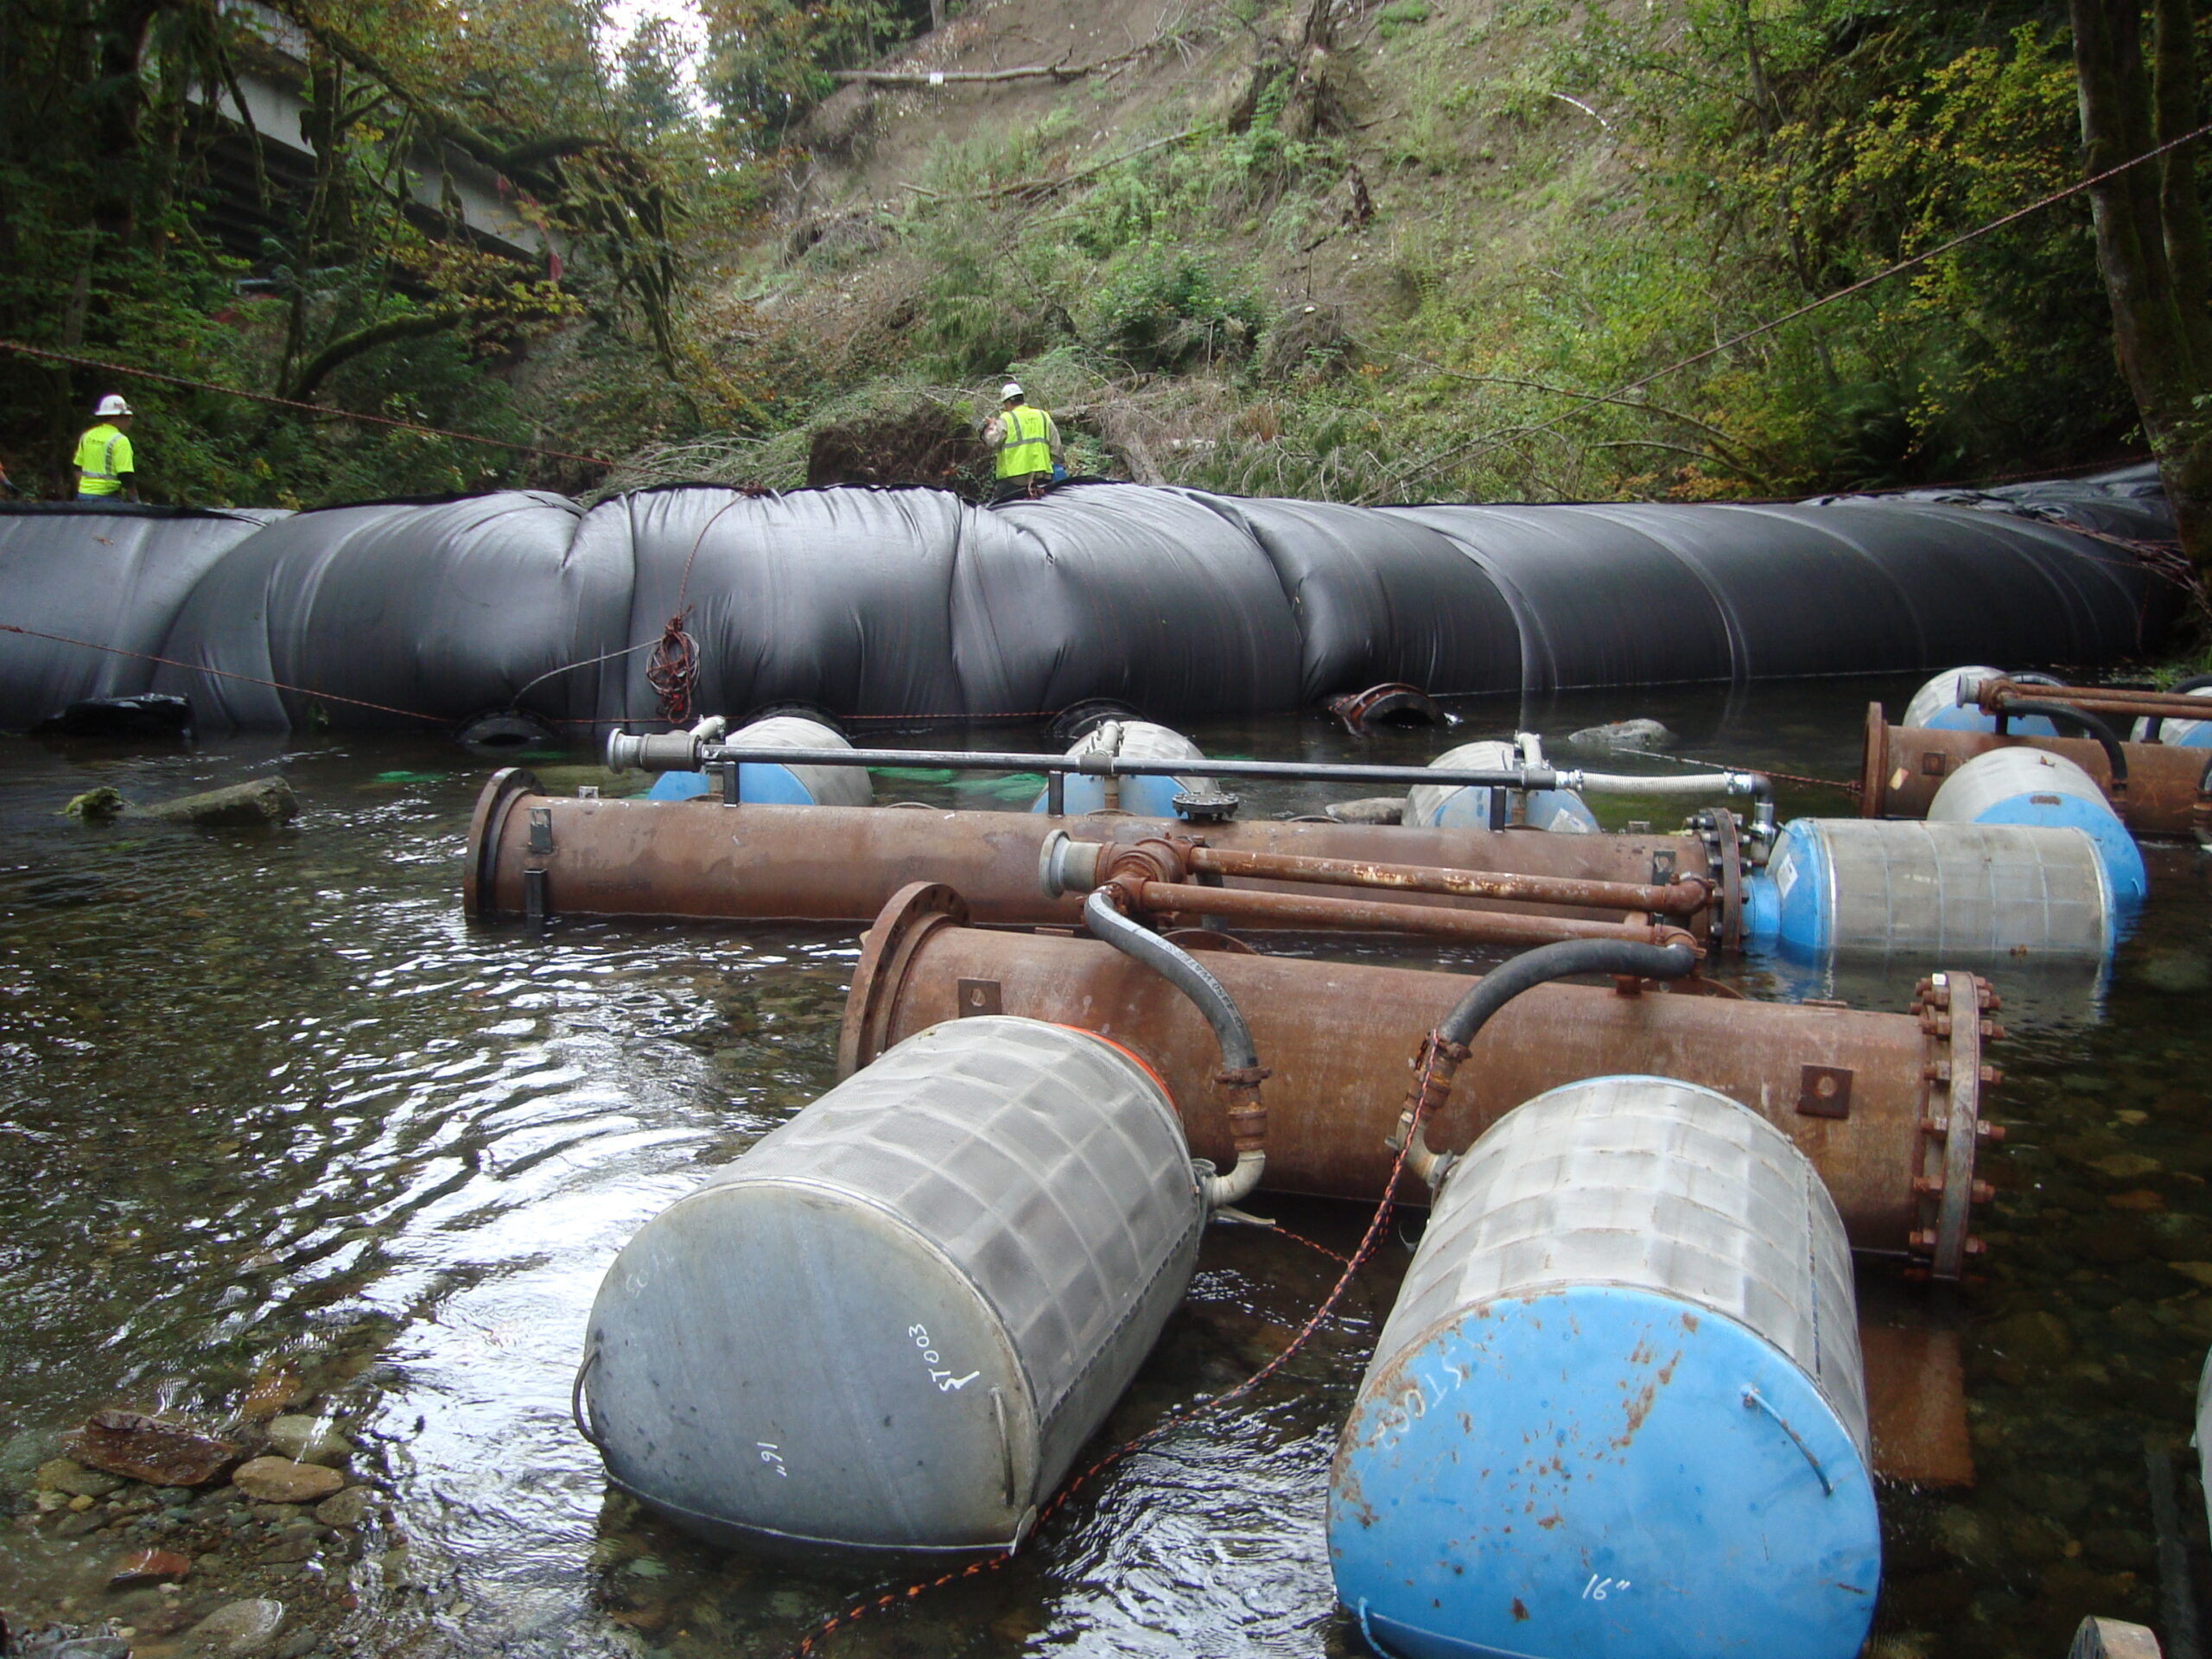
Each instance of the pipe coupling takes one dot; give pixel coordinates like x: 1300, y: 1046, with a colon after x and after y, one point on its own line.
x: 1065, y: 865
x: 1156, y: 858
x: 652, y: 752
x: 1248, y: 1127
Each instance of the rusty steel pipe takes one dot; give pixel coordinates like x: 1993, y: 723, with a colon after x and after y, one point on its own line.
x: 1680, y: 898
x: 1992, y: 696
x: 1303, y: 911
x: 534, y: 853
x: 1902, y: 767
x: 1874, y: 1099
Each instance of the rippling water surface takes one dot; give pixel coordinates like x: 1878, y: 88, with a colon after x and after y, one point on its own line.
x: 274, y: 1116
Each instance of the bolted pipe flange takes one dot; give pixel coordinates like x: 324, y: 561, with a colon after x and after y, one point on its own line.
x: 913, y: 913
x: 1951, y: 1126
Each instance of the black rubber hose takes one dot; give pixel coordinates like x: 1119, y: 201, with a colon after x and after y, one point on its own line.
x: 2156, y: 732
x: 2106, y: 738
x: 1182, y: 970
x: 1549, y: 962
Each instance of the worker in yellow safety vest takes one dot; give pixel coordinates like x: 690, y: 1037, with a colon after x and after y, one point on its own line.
x: 1027, y: 443
x: 105, y: 468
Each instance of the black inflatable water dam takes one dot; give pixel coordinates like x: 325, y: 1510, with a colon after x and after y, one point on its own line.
x: 912, y: 602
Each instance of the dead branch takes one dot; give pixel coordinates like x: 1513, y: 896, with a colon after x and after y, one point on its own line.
x: 1062, y: 71
x: 1046, y: 187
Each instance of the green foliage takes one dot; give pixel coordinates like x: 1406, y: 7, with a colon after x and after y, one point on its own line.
x: 1400, y: 16
x: 1164, y: 308
x: 770, y: 61
x: 354, y: 293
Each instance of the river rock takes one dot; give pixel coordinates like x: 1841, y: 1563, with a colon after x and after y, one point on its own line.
x: 349, y: 1509
x: 1623, y: 735
x: 2125, y: 1166
x: 264, y: 800
x: 309, y: 1439
x: 243, y: 1628
x: 1372, y: 809
x: 280, y: 1480
x: 146, y: 1448
x: 2034, y: 1337
x: 69, y: 1476
x: 150, y: 1567
x: 96, y: 806
x: 2177, y: 973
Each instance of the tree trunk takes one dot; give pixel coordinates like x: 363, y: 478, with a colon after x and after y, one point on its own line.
x: 2151, y: 239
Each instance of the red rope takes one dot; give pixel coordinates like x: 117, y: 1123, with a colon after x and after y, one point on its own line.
x: 1174, y: 1419
x: 22, y: 350
x: 673, y: 673
x: 224, y: 674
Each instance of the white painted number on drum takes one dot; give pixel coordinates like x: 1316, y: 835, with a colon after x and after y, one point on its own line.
x: 946, y: 1383
x: 1598, y: 1589
x: 773, y: 1458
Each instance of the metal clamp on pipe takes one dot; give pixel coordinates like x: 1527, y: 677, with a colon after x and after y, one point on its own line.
x: 1445, y: 1049
x: 1240, y: 1070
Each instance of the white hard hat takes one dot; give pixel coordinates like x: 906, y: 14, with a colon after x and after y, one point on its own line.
x: 1009, y: 390
x: 112, y: 404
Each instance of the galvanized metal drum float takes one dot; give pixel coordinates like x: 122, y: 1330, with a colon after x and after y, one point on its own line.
x: 1464, y: 807
x: 1619, y: 1411
x: 893, y: 1322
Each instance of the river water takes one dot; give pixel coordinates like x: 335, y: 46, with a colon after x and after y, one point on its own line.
x: 277, y: 1124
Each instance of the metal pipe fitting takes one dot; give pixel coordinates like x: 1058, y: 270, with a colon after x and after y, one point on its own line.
x: 1446, y: 1047
x: 1065, y: 865
x: 1241, y: 1069
x: 654, y: 751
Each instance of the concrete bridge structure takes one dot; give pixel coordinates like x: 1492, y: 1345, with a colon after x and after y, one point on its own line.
x: 272, y: 77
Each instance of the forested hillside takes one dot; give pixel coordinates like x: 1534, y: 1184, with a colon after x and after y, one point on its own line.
x: 1358, y: 249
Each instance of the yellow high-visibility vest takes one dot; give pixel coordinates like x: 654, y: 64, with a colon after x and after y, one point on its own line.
x: 103, y: 457
x: 1023, y: 448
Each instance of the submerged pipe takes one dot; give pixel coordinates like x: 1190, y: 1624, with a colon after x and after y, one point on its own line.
x: 1902, y: 767
x: 1445, y: 1047
x: 1887, y: 1105
x: 1240, y: 1070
